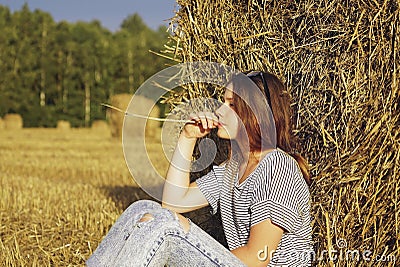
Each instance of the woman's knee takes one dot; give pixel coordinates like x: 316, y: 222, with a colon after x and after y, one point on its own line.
x: 146, y: 217
x: 147, y: 210
x: 143, y: 205
x: 171, y: 219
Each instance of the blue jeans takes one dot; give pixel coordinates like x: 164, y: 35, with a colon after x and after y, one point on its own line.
x: 158, y: 241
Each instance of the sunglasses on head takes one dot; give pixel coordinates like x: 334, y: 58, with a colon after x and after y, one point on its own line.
x: 265, y: 85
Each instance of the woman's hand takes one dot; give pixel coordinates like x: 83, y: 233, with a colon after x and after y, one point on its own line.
x: 203, y: 123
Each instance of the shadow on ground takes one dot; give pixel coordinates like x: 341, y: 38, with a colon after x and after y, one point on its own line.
x: 123, y: 196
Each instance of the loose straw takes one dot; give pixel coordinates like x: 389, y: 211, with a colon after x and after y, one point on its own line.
x: 145, y: 117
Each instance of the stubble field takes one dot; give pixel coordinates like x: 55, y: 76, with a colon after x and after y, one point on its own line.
x: 60, y: 193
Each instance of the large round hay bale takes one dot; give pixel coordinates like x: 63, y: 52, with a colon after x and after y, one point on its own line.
x: 340, y: 61
x: 63, y: 125
x: 13, y: 122
x: 1, y: 124
x: 101, y: 127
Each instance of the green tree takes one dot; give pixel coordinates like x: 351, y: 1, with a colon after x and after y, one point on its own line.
x: 6, y: 63
x: 52, y: 71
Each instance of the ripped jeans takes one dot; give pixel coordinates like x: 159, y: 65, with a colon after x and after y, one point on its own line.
x: 148, y: 235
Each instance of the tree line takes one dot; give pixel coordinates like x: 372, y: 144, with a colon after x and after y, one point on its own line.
x: 62, y: 71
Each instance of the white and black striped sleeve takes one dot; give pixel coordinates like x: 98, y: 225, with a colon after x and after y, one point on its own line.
x: 210, y: 186
x: 274, y: 196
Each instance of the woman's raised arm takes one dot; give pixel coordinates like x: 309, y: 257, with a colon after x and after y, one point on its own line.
x: 179, y: 194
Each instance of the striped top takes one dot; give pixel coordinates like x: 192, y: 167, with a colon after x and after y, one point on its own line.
x: 275, y: 190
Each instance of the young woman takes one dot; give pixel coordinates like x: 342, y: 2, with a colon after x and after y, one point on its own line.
x: 262, y: 192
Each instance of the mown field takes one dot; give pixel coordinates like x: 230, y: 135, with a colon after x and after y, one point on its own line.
x: 60, y: 193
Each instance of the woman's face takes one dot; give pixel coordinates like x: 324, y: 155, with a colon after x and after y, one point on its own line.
x: 228, y: 121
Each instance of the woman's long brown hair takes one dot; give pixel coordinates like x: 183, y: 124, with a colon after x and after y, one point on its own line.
x: 282, y: 113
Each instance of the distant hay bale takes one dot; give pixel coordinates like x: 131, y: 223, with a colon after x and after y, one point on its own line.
x: 152, y: 126
x: 340, y: 61
x: 101, y: 127
x: 120, y: 101
x: 133, y: 125
x: 13, y: 122
x: 63, y: 125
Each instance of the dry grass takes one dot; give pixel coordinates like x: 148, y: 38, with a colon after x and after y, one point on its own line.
x: 60, y: 193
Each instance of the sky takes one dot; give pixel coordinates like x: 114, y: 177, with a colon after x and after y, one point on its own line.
x: 110, y: 13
